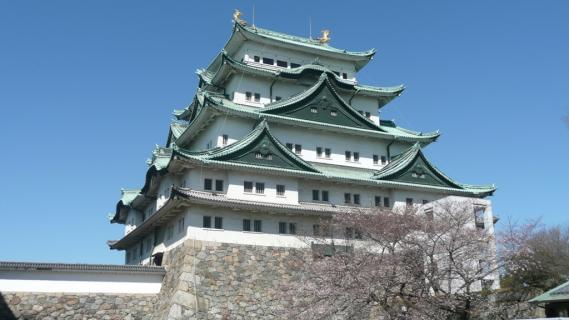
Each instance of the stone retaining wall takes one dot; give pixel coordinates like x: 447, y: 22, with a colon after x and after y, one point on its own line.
x: 46, y: 306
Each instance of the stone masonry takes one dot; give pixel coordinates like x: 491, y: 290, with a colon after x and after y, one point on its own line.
x: 52, y: 306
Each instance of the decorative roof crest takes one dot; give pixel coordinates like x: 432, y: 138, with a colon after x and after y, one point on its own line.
x: 325, y: 37
x: 237, y: 18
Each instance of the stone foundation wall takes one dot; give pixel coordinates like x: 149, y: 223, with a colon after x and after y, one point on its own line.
x: 225, y: 281
x: 46, y: 306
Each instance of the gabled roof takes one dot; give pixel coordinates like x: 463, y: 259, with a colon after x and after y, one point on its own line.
x: 320, y: 103
x: 127, y: 197
x: 242, y: 33
x: 258, y: 148
x: 208, y: 105
x: 557, y: 294
x: 412, y: 166
x: 224, y: 66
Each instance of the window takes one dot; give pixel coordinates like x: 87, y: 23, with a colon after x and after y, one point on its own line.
x: 282, y: 227
x: 246, y: 225
x: 247, y: 186
x: 344, y: 75
x: 277, y: 98
x: 336, y: 73
x: 207, y: 184
x: 181, y: 225
x: 292, y: 228
x: 260, y: 187
x: 348, y: 155
x: 325, y: 196
x: 347, y: 198
x: 256, y: 58
x: 409, y: 201
x: 248, y: 96
x: 268, y: 61
x: 289, y: 146
x: 169, y: 232
x: 377, y: 201
x: 218, y: 185
x: 224, y: 139
x: 386, y: 202
x: 375, y: 159
x: 383, y: 160
x: 315, y: 195
x: 206, y: 221
x: 257, y: 225
x: 333, y: 113
x: 280, y: 189
x: 281, y: 63
x: 349, y: 233
x: 356, y: 156
x: 316, y: 229
x: 297, y: 148
x: 356, y: 198
x: 257, y: 97
x: 294, y: 65
x: 327, y: 153
x: 368, y: 115
x: 425, y: 201
x: 313, y: 109
x: 319, y: 152
x: 218, y: 223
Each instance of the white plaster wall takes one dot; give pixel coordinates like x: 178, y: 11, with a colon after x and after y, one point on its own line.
x: 235, y: 128
x: 79, y: 282
x: 194, y: 178
x: 366, y: 104
x: 336, y: 193
x: 241, y: 83
x: 133, y: 219
x: 235, y: 188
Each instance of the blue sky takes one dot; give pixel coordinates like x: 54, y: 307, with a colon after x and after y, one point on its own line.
x: 87, y: 89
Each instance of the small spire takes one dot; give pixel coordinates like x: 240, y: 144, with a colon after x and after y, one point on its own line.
x: 237, y: 17
x: 325, y: 38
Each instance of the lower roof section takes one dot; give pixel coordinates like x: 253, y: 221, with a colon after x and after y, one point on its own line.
x: 78, y: 267
x: 181, y: 198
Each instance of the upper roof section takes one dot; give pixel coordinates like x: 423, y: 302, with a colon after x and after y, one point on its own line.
x: 319, y: 47
x: 224, y: 66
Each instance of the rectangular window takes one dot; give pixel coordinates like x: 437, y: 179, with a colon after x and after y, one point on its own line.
x: 246, y: 225
x: 224, y: 139
x: 356, y: 198
x: 218, y: 223
x: 298, y: 148
x: 169, y: 232
x: 349, y: 233
x: 383, y: 160
x: 386, y: 202
x: 319, y: 152
x: 207, y: 184
x: 280, y: 190
x: 333, y: 113
x: 282, y: 227
x: 277, y: 98
x: 218, y: 185
x: 268, y: 61
x: 368, y: 115
x: 315, y: 195
x: 316, y: 230
x: 256, y: 58
x: 356, y: 156
x: 258, y: 225
x: 248, y: 186
x: 375, y: 159
x: 325, y: 197
x: 336, y: 73
x: 206, y: 221
x: 344, y: 75
x: 181, y: 225
x: 377, y: 201
x: 292, y: 228
x: 347, y: 198
x: 348, y: 155
x: 425, y: 201
x: 281, y: 63
x: 313, y: 109
x: 409, y: 201
x: 248, y: 96
x: 289, y: 146
x: 260, y: 187
x: 327, y: 153
x: 294, y: 65
x: 257, y: 97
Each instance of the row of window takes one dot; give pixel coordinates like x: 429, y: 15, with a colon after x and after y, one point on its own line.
x: 256, y: 226
x: 252, y: 96
x: 208, y: 184
x: 271, y: 62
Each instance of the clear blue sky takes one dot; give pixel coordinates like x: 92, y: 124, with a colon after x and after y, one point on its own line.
x: 87, y: 89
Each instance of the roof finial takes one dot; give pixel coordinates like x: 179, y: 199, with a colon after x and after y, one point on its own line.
x: 237, y: 18
x: 325, y: 37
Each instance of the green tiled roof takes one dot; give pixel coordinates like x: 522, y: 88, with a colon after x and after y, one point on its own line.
x: 127, y: 197
x: 242, y: 33
x: 224, y: 64
x: 557, y: 294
